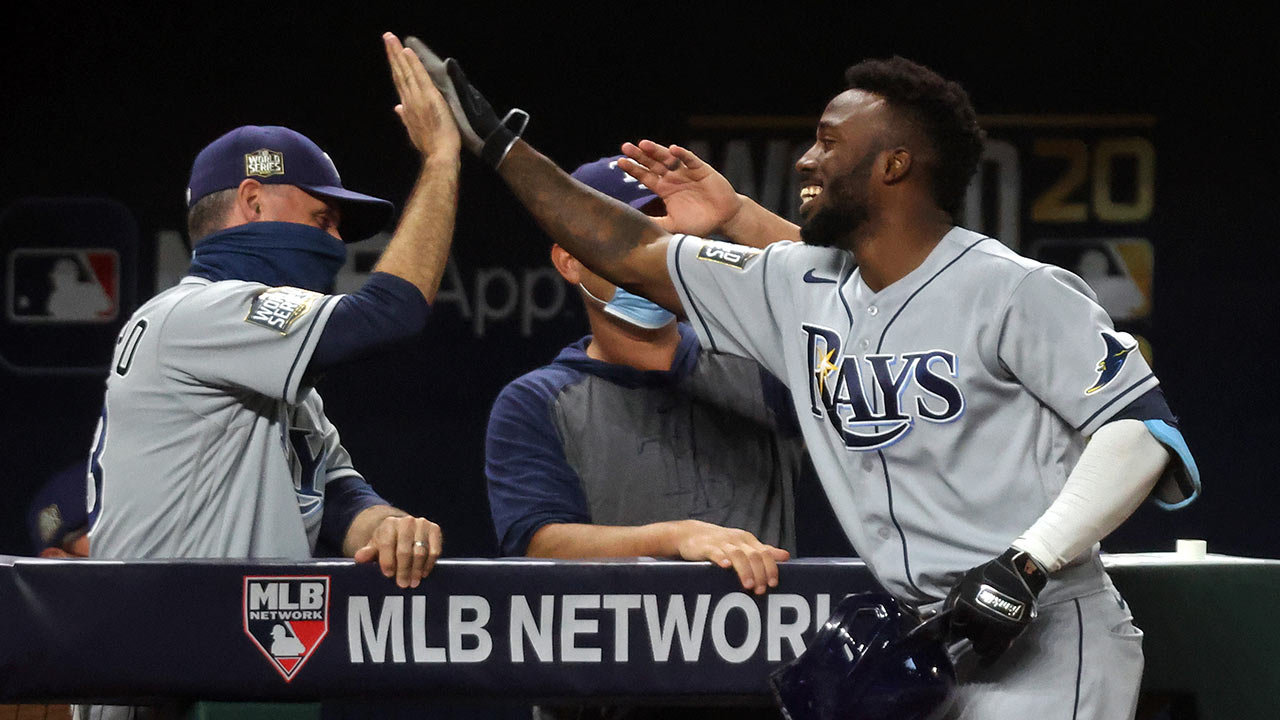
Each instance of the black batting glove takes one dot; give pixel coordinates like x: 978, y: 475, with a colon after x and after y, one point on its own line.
x: 995, y: 602
x: 482, y: 131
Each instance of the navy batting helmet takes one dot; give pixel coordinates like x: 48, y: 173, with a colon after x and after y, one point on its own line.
x: 869, y: 661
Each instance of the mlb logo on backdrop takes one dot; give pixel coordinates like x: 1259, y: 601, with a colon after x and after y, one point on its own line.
x: 286, y: 616
x: 63, y: 285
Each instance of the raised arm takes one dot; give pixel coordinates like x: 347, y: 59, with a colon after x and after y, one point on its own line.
x: 394, y: 303
x: 700, y: 200
x: 419, y: 248
x: 611, y: 238
x: 614, y: 240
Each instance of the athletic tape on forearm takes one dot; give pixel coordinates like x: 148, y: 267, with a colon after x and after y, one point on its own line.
x: 1115, y: 474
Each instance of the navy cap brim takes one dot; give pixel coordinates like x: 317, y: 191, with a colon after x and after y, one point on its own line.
x: 640, y: 202
x: 363, y: 216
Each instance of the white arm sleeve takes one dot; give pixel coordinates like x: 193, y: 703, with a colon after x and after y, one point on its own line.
x: 1116, y: 472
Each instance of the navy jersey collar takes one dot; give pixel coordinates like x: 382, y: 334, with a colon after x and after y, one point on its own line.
x: 575, y: 356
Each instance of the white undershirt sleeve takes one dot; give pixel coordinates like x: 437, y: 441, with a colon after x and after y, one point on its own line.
x: 1115, y: 473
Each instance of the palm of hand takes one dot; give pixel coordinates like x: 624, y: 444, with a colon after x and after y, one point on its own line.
x: 698, y: 206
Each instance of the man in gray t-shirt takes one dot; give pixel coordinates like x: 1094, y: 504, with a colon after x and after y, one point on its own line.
x: 636, y: 441
x: 213, y: 442
x: 946, y: 386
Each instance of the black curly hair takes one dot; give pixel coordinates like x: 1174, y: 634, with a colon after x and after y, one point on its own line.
x: 939, y: 108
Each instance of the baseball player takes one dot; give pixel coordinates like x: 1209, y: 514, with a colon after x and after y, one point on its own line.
x: 213, y: 441
x: 946, y: 385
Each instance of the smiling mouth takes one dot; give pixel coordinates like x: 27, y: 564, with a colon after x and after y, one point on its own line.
x: 809, y: 192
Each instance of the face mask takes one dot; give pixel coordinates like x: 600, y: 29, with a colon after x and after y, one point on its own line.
x: 272, y: 253
x: 634, y: 309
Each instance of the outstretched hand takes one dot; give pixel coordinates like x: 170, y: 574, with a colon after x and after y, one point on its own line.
x: 422, y: 109
x: 699, y: 200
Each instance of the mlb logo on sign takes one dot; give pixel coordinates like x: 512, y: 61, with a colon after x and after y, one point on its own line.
x: 286, y: 616
x: 63, y: 285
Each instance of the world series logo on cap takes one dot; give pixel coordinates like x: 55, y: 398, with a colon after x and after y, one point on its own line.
x: 264, y: 163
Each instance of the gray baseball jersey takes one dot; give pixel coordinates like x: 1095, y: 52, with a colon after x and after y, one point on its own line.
x: 943, y: 413
x: 210, y: 443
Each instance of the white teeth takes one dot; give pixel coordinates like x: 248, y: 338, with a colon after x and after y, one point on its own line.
x: 810, y: 192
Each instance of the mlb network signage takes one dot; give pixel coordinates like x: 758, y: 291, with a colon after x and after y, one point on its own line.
x: 286, y: 616
x: 493, y: 632
x: 473, y: 628
x: 584, y: 628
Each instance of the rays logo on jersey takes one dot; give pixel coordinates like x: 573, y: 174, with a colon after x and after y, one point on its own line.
x: 879, y: 419
x: 1118, y: 348
x: 286, y: 616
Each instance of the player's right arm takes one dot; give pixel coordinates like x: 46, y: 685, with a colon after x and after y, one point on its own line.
x: 616, y: 241
x: 419, y: 248
x: 699, y: 200
x: 394, y: 302
x: 287, y: 350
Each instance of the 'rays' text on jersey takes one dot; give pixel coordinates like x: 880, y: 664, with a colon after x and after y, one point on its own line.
x: 874, y: 415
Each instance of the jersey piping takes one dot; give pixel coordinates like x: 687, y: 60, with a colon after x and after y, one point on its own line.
x: 884, y: 463
x: 925, y: 284
x: 306, y: 339
x: 843, y: 300
x: 1075, y: 708
x: 692, y: 305
x: 1113, y: 400
x: 902, y: 536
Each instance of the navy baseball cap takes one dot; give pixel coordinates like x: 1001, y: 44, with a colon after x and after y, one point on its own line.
x: 605, y: 176
x: 275, y: 155
x: 60, y: 507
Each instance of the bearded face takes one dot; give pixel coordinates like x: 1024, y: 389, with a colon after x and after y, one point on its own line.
x: 840, y: 209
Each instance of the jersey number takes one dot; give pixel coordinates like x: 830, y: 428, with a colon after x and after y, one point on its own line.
x: 95, y: 468
x: 130, y: 339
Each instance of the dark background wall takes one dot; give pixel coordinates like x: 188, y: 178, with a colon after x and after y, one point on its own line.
x: 115, y: 104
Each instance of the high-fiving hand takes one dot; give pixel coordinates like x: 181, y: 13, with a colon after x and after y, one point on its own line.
x: 422, y: 109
